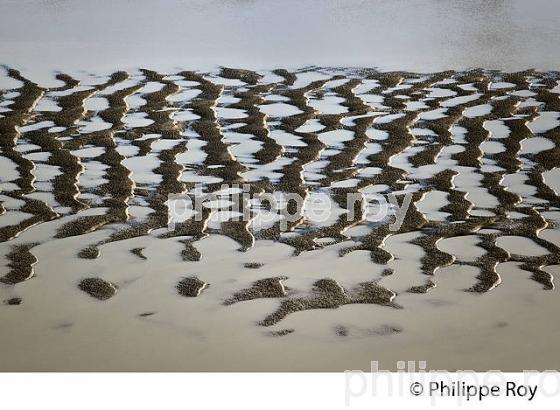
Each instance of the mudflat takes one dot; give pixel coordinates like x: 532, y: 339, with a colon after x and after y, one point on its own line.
x: 96, y: 278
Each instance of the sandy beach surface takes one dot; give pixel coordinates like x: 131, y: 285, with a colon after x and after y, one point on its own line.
x: 448, y: 138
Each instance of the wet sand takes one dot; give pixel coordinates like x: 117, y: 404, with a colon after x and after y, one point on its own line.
x: 93, y: 279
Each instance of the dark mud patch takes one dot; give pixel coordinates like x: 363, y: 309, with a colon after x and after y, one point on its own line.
x: 283, y: 332
x: 264, y: 288
x: 328, y: 294
x: 91, y: 252
x: 191, y: 287
x: 386, y: 330
x: 13, y: 301
x: 21, y: 264
x: 190, y: 253
x: 425, y: 288
x: 98, y: 288
x: 341, y: 330
x: 253, y: 265
x: 138, y: 252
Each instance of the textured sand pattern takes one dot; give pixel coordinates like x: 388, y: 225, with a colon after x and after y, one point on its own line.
x: 478, y: 150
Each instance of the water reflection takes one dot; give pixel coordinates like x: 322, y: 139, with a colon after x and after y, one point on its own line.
x: 481, y: 32
x: 425, y: 35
